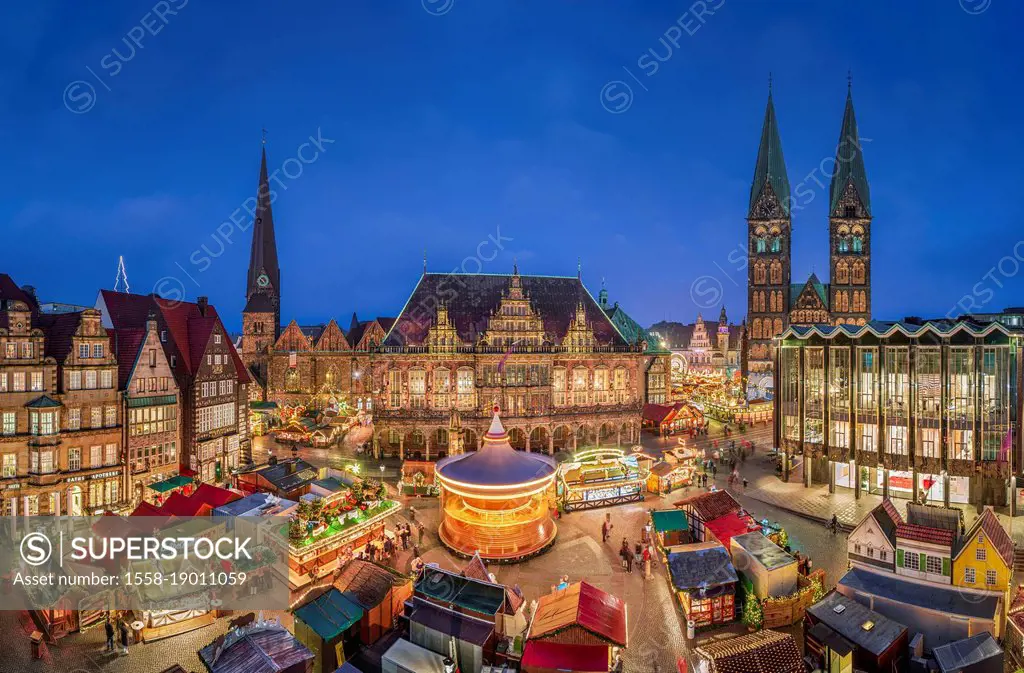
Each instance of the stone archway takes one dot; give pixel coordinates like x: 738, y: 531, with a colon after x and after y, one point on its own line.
x: 626, y: 434
x: 472, y: 441
x: 562, y: 438
x: 415, y: 444
x: 607, y: 435
x: 517, y: 438
x: 540, y: 439
x: 585, y: 436
x: 388, y: 443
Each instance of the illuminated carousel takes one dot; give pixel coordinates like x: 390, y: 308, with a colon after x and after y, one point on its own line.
x: 497, y: 501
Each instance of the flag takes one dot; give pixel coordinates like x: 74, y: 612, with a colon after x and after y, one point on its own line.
x: 504, y: 358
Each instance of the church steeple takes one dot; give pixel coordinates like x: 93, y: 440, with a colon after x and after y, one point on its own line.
x: 263, y: 286
x: 770, y: 177
x: 849, y: 170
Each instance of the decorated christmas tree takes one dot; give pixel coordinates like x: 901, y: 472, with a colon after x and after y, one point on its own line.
x: 753, y: 614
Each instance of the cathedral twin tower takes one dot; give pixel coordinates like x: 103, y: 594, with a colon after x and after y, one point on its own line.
x: 773, y: 302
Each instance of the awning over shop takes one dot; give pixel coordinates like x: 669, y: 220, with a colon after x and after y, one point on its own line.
x: 170, y: 484
x: 669, y: 520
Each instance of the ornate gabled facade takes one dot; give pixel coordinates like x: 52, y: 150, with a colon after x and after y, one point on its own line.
x: 773, y: 301
x: 701, y: 346
x: 541, y: 347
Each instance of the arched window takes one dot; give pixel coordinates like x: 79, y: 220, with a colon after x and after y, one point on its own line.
x: 778, y: 326
x: 755, y: 328
x: 759, y: 273
x: 858, y: 245
x: 777, y: 244
x: 761, y: 302
x: 842, y: 272
x: 858, y: 272
x: 760, y: 245
x: 844, y: 244
x: 776, y: 272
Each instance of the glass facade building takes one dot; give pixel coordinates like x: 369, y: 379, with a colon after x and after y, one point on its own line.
x: 919, y: 410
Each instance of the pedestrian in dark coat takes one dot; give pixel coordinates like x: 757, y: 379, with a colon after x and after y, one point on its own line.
x: 124, y: 637
x: 108, y: 628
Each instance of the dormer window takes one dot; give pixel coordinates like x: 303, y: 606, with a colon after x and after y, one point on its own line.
x: 163, y: 336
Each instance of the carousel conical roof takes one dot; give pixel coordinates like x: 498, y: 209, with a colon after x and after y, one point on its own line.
x: 497, y: 463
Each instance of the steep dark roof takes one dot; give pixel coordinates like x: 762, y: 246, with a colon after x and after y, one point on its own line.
x: 770, y: 168
x: 126, y: 343
x: 937, y: 597
x: 476, y: 295
x: 365, y: 583
x: 849, y: 168
x: 59, y: 329
x: 263, y: 255
x: 9, y: 291
x: 188, y: 327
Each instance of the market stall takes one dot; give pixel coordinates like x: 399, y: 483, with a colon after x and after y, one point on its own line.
x: 670, y: 527
x: 600, y: 477
x: 677, y: 470
x: 704, y: 581
x: 418, y: 478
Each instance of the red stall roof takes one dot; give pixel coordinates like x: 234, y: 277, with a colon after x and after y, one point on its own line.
x: 540, y: 654
x: 729, y: 526
x: 595, y: 611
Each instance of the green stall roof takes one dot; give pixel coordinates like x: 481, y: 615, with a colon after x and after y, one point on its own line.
x: 170, y: 484
x: 669, y: 520
x: 329, y: 614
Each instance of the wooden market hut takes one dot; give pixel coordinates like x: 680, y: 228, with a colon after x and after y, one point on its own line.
x: 379, y: 591
x: 670, y: 527
x: 704, y: 581
x: 759, y: 652
x: 575, y: 629
x: 329, y: 626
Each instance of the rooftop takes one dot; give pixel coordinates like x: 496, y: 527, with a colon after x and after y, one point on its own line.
x: 935, y: 597
x: 701, y: 565
x: 849, y: 618
x: 496, y: 464
x: 956, y: 656
x: 767, y: 553
x: 759, y: 652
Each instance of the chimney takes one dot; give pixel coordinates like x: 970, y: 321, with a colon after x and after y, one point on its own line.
x: 202, y: 302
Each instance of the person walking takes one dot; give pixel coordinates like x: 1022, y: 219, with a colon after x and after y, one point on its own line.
x: 420, y: 533
x: 638, y: 557
x: 124, y: 637
x: 647, y: 561
x: 714, y: 471
x: 625, y: 556
x: 108, y: 629
x: 606, y: 531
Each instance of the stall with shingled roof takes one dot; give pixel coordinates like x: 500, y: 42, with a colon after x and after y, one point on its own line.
x: 579, y: 628
x: 704, y: 582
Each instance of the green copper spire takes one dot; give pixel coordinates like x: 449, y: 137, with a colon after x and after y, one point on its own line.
x: 849, y: 162
x: 771, y: 167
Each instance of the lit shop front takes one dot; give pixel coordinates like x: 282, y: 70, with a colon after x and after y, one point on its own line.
x: 901, y: 483
x: 600, y: 477
x: 497, y: 501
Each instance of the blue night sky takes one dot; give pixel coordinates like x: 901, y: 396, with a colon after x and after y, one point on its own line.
x: 450, y: 128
